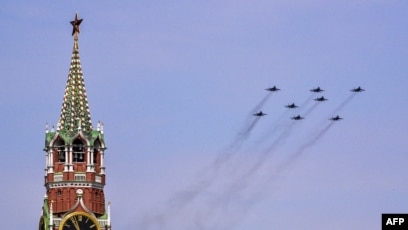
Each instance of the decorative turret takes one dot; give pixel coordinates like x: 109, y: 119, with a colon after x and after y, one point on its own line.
x: 75, y: 171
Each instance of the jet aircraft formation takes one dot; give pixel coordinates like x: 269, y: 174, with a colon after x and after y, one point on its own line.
x: 318, y: 99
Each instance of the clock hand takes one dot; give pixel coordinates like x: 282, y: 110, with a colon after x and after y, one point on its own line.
x: 75, y: 222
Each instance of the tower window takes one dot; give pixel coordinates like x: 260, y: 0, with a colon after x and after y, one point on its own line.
x: 59, y: 147
x: 61, y: 154
x: 78, y: 151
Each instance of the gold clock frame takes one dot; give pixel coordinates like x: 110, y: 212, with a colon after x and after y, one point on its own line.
x: 66, y: 218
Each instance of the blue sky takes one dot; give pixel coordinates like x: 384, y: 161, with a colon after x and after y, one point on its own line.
x: 175, y: 84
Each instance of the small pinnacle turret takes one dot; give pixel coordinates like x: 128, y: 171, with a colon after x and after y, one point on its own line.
x: 75, y: 114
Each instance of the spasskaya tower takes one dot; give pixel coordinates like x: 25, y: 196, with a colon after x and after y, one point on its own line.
x: 74, y: 155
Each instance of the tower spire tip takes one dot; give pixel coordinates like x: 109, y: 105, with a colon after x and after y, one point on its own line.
x: 75, y: 25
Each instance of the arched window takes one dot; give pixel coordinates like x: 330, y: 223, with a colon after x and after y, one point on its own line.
x: 61, y: 154
x: 78, y: 151
x: 60, y: 147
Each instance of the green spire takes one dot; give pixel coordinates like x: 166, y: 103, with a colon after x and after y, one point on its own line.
x: 75, y: 114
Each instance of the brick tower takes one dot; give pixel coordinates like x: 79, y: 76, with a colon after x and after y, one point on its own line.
x: 75, y: 171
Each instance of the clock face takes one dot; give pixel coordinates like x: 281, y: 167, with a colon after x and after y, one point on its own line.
x: 79, y: 221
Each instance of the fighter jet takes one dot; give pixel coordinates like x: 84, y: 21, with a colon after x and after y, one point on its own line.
x: 259, y: 114
x: 273, y: 89
x: 298, y: 117
x: 316, y: 90
x: 291, y: 106
x: 336, y: 118
x: 322, y: 98
x: 357, y: 90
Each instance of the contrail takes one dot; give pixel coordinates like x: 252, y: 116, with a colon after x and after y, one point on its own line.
x: 239, y: 184
x: 303, y: 147
x: 236, y: 144
x: 261, y: 193
x: 274, y: 128
x: 278, y: 123
x: 345, y: 102
x: 306, y: 102
x: 261, y: 159
x: 320, y: 134
x: 311, y: 109
x: 261, y: 103
x: 234, y: 147
x: 237, y: 187
x: 242, y: 136
x: 181, y: 199
x: 226, y: 155
x: 317, y: 137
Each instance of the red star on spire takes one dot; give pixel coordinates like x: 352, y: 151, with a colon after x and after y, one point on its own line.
x: 75, y: 24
